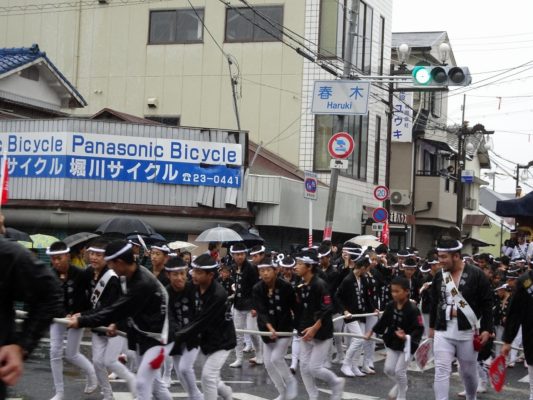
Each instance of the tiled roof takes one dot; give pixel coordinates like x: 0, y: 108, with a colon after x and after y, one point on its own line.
x: 109, y: 113
x: 13, y: 58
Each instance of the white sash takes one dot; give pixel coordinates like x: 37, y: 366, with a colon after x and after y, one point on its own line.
x: 459, y: 300
x: 101, y: 285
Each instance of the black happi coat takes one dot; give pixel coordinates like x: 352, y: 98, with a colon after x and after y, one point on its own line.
x: 181, y: 312
x: 314, y: 303
x: 109, y: 296
x: 355, y: 299
x: 520, y: 313
x: 476, y: 290
x: 211, y: 323
x: 408, y: 318
x: 244, y: 283
x: 143, y: 303
x: 276, y: 309
x: 74, y: 290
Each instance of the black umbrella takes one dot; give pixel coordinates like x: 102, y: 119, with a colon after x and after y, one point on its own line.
x: 15, y: 234
x: 125, y: 226
x: 150, y: 239
x: 79, y: 238
x: 247, y: 237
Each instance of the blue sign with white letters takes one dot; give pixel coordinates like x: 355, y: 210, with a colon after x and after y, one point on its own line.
x: 122, y: 158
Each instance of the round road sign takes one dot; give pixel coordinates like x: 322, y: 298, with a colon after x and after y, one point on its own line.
x: 381, y: 193
x: 341, y: 145
x: 380, y: 214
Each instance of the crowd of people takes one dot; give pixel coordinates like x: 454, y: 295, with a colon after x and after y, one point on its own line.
x: 325, y: 303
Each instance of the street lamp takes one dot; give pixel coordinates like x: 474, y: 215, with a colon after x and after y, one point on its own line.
x: 518, y: 189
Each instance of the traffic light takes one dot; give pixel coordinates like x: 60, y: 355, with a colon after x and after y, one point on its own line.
x: 441, y: 76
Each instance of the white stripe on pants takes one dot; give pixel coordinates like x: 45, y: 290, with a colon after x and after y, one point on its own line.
x: 211, y: 382
x: 313, y: 355
x: 149, y: 379
x: 72, y: 353
x: 396, y: 369
x: 369, y: 346
x: 244, y: 320
x: 356, y: 345
x: 105, y: 358
x: 445, y: 350
x: 184, y: 367
x: 274, y: 358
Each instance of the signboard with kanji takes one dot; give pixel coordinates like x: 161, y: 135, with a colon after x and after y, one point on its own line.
x: 402, y: 117
x: 341, y: 97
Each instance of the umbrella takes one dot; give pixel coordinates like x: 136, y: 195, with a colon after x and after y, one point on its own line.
x: 79, y: 238
x: 15, y: 234
x: 150, y: 239
x: 41, y: 241
x: 183, y: 246
x: 219, y: 234
x: 246, y: 235
x: 125, y: 226
x: 366, y: 240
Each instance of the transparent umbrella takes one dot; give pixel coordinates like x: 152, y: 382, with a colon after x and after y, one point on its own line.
x: 219, y: 234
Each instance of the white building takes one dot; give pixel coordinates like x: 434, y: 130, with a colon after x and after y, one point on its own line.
x: 168, y: 61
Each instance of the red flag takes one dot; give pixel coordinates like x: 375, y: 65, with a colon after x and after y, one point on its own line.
x: 385, y: 234
x: 497, y: 373
x: 5, y: 180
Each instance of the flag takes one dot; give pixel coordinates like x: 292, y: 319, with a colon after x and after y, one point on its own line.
x: 385, y: 234
x: 497, y: 373
x: 4, y: 181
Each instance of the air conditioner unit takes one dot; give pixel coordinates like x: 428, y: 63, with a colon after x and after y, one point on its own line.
x: 470, y: 204
x: 400, y: 197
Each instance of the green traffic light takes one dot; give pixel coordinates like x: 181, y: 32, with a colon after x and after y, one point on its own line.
x: 421, y: 75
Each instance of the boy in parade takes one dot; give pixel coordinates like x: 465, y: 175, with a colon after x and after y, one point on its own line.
x: 181, y: 311
x: 210, y: 311
x: 402, y: 327
x: 144, y: 302
x: 274, y: 300
x: 73, y: 282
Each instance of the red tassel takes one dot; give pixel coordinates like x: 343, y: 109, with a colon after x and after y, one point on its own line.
x: 156, y: 362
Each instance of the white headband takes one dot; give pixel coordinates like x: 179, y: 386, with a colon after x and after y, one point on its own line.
x: 292, y: 264
x: 327, y: 253
x: 96, y: 250
x: 175, y: 269
x: 163, y: 248
x: 266, y: 266
x: 261, y: 250
x: 194, y: 265
x: 118, y: 253
x: 445, y: 250
x: 56, y: 252
x: 233, y: 251
x: 306, y: 260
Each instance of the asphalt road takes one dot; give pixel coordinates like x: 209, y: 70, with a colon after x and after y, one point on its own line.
x: 252, y: 383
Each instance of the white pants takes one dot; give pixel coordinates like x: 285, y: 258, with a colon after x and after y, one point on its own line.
x: 184, y: 367
x: 211, y: 382
x: 105, y: 358
x: 356, y: 345
x: 517, y: 342
x: 396, y: 369
x: 337, y: 340
x: 72, y: 353
x: 295, y: 350
x: 426, y: 324
x: 277, y: 369
x: 148, y: 379
x: 313, y: 355
x: 369, y: 346
x: 445, y: 350
x: 244, y: 320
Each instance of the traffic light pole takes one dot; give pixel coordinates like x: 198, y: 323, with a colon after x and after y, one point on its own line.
x: 339, y: 123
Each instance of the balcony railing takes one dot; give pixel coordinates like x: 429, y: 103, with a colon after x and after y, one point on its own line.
x: 451, y: 180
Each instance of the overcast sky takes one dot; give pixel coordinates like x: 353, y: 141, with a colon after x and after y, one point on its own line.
x: 489, y: 38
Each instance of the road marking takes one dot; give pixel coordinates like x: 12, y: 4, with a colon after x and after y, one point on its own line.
x: 246, y: 396
x: 351, y: 396
x: 525, y: 379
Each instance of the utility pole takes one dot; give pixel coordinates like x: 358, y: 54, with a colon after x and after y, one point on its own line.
x: 339, y: 120
x: 461, y: 159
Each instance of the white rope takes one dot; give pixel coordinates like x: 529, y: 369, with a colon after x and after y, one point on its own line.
x: 356, y: 316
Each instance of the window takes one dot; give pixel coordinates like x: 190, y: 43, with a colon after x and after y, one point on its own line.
x: 381, y: 44
x: 363, y: 44
x: 436, y: 104
x: 357, y: 126
x: 331, y: 30
x: 176, y: 26
x: 262, y: 24
x: 377, y: 149
x: 167, y: 120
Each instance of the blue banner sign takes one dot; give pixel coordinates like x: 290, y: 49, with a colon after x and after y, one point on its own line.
x: 122, y: 158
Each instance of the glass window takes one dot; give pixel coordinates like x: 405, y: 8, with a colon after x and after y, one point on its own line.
x: 377, y: 149
x: 330, y: 36
x: 381, y: 45
x: 357, y: 126
x: 245, y: 25
x: 363, y: 39
x: 176, y: 26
